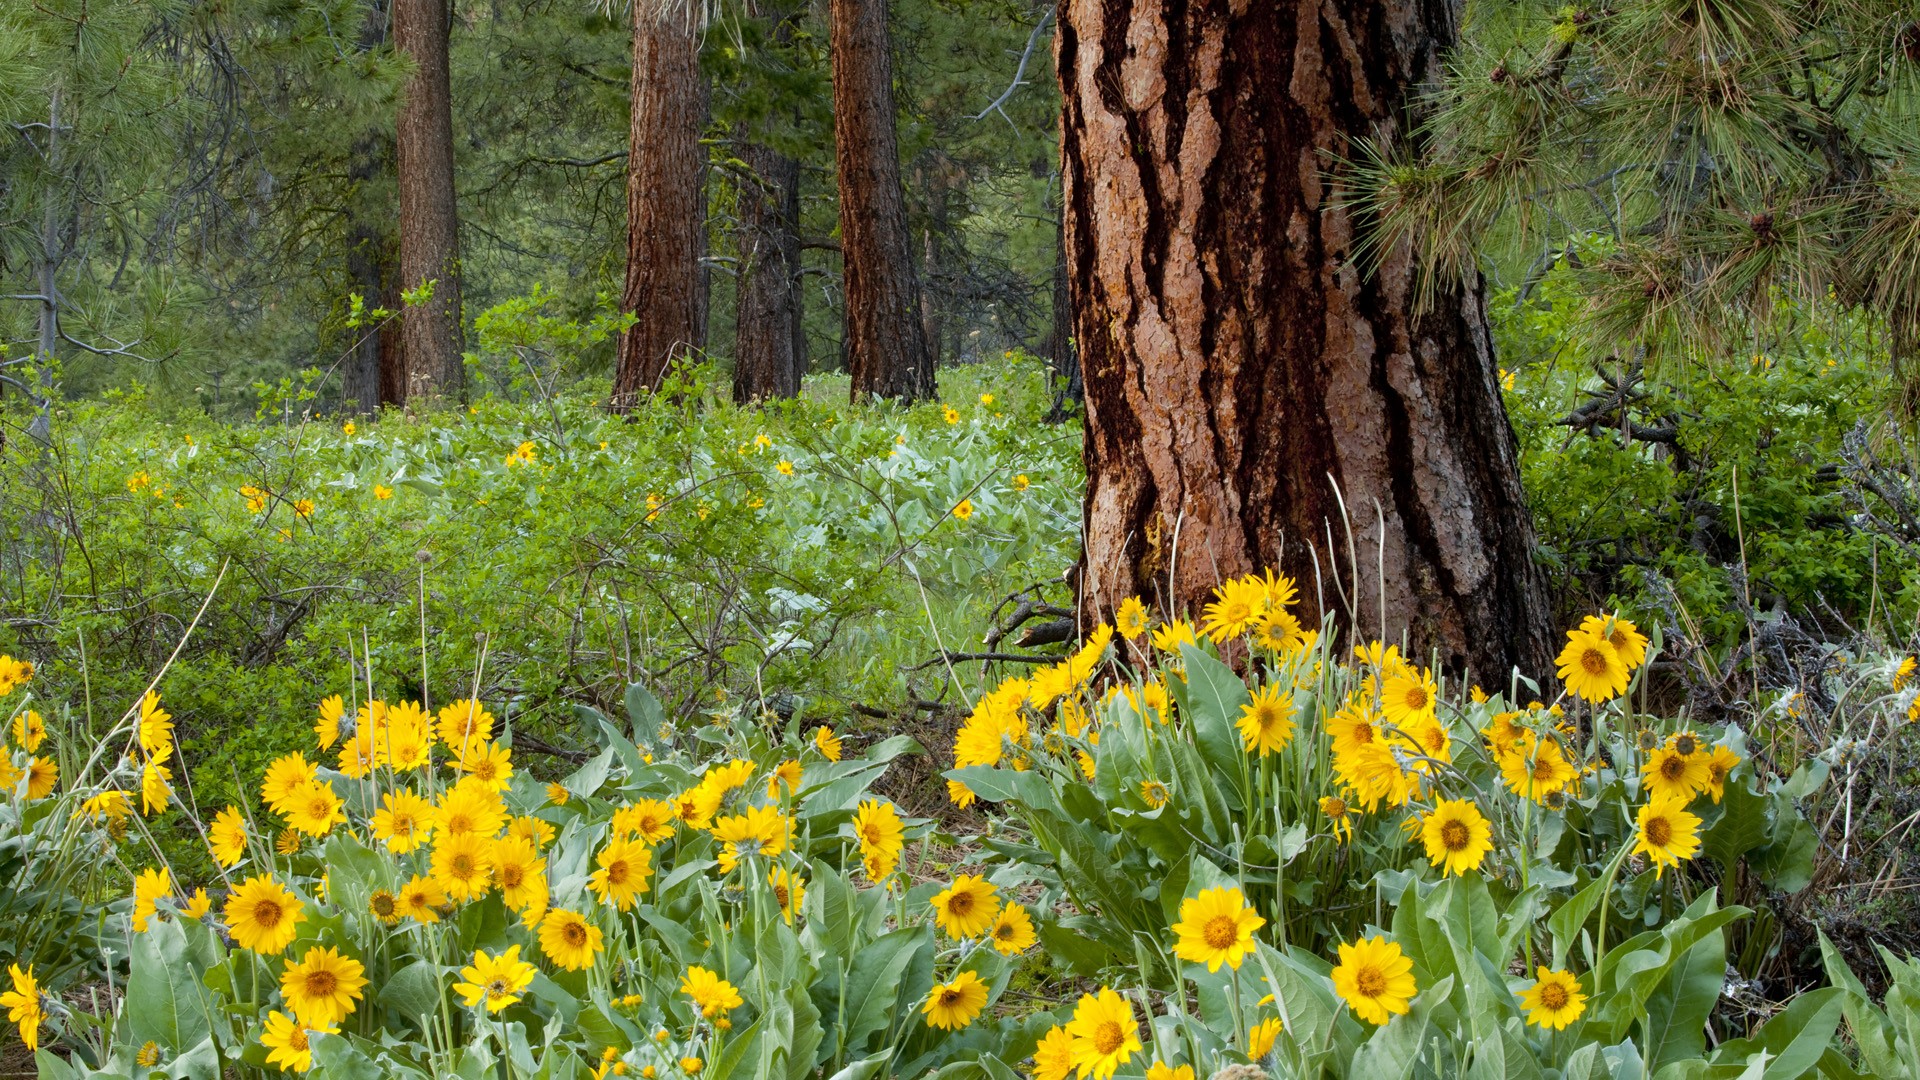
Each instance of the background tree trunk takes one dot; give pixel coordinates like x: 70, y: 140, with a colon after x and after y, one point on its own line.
x: 374, y: 373
x: 1236, y: 355
x: 769, y: 349
x: 429, y: 221
x: 886, y: 342
x: 1062, y: 362
x: 666, y: 202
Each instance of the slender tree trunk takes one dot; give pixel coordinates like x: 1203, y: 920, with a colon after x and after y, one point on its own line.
x: 886, y: 342
x: 666, y: 203
x: 1240, y: 361
x: 374, y: 373
x: 768, y: 361
x: 1063, y: 362
x: 429, y: 222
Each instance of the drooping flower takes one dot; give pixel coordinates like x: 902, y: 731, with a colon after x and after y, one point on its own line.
x: 227, y: 836
x: 150, y: 886
x: 881, y: 836
x: 326, y: 728
x: 23, y: 1005
x: 1216, y: 927
x: 789, y: 891
x: 954, y: 1004
x: 1375, y: 979
x: 827, y: 742
x: 156, y: 727
x: 1262, y: 1036
x: 710, y: 993
x: 288, y: 1046
x: 1720, y: 765
x: 1338, y: 814
x: 1554, y: 1000
x: 497, y: 980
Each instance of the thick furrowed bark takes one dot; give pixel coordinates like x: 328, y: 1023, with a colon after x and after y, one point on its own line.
x: 1244, y: 374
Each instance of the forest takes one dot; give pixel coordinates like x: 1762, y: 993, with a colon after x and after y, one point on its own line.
x: 959, y: 539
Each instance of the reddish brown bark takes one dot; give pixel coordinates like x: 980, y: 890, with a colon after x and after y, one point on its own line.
x: 886, y: 343
x: 666, y: 202
x: 429, y: 221
x: 1239, y: 361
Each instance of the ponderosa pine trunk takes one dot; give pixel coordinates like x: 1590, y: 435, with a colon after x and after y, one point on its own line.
x: 429, y: 217
x: 886, y: 343
x: 1240, y: 360
x: 769, y: 348
x: 666, y: 202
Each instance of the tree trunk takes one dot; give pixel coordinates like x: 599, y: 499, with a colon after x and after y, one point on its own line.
x: 429, y: 222
x: 886, y: 343
x: 374, y: 373
x: 1236, y: 355
x: 769, y: 356
x: 1062, y: 363
x: 666, y: 203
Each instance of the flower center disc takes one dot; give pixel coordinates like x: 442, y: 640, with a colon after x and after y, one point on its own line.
x: 1221, y: 931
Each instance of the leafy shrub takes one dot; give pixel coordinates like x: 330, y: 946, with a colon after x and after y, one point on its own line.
x: 559, y: 552
x: 1716, y: 474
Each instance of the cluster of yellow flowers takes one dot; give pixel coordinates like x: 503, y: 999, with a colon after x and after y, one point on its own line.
x: 998, y: 721
x: 14, y: 674
x: 28, y: 731
x: 462, y: 844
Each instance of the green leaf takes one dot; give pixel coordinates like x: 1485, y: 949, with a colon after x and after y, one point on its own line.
x: 167, y: 1003
x: 413, y: 992
x: 874, y: 981
x: 1394, y: 1049
x: 1674, y: 1023
x: 1792, y: 1042
x: 1786, y: 863
x: 645, y: 714
x: 1744, y: 824
x: 1214, y: 695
